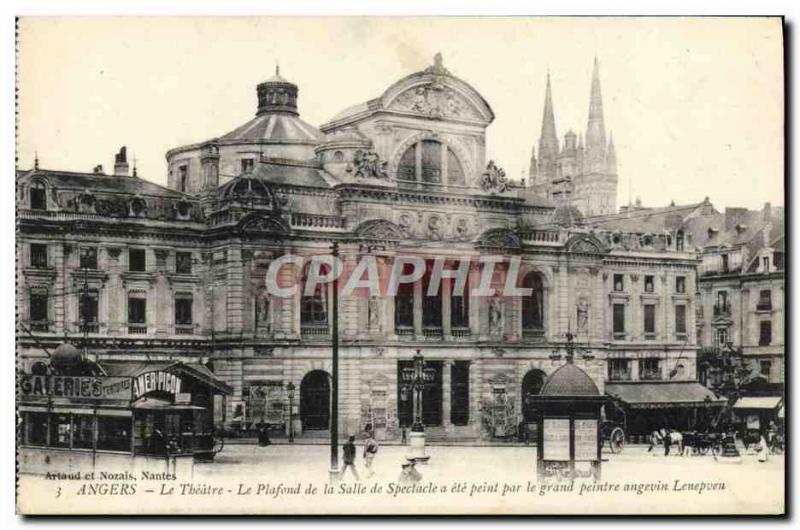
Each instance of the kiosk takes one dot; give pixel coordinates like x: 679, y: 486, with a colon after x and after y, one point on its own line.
x: 567, y: 413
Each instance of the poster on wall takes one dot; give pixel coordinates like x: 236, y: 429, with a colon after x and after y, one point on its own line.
x: 585, y: 440
x: 555, y: 433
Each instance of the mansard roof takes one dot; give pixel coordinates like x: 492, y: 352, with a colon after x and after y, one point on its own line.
x: 101, y: 183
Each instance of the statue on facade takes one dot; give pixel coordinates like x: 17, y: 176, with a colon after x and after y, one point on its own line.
x: 373, y: 313
x: 369, y: 165
x: 496, y: 316
x: 494, y: 178
x: 583, y: 315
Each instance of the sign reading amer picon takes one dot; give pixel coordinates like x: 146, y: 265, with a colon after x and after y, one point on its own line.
x: 156, y: 382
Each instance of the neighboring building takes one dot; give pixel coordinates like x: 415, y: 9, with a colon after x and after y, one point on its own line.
x: 137, y: 272
x: 569, y: 173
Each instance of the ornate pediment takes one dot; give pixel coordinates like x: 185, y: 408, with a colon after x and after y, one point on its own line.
x: 499, y: 238
x: 262, y: 224
x: 379, y: 229
x: 436, y: 100
x: 585, y: 244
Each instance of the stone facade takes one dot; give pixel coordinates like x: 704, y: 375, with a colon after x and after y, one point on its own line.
x: 404, y: 173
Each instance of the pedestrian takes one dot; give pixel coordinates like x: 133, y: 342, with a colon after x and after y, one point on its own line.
x: 409, y: 474
x: 349, y: 457
x: 263, y: 435
x: 667, y: 441
x: 370, y: 450
x: 762, y: 449
x: 158, y: 444
x: 655, y: 440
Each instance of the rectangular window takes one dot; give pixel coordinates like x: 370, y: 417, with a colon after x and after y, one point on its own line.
x: 619, y: 282
x: 649, y: 321
x: 764, y: 300
x: 765, y: 368
x: 722, y: 307
x: 765, y: 334
x: 724, y: 263
x: 459, y: 393
x: 650, y: 369
x: 60, y: 427
x: 35, y: 428
x: 37, y: 310
x: 136, y: 260
x: 680, y: 284
x: 89, y: 258
x: 183, y: 309
x: 619, y: 321
x: 183, y: 262
x: 431, y: 305
x: 247, y: 165
x: 137, y: 310
x: 87, y: 308
x: 113, y: 433
x: 459, y: 307
x: 765, y: 263
x: 680, y: 319
x: 619, y: 370
x: 183, y: 177
x: 649, y: 284
x: 82, y: 431
x: 38, y: 256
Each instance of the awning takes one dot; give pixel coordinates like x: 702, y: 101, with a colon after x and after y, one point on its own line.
x: 768, y: 402
x: 782, y: 412
x: 146, y: 403
x: 663, y: 395
x: 195, y: 370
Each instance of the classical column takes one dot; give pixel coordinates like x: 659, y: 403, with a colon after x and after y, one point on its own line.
x: 446, y: 393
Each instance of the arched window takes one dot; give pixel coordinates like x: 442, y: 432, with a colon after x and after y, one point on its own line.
x: 38, y: 196
x: 430, y: 161
x: 314, y: 307
x: 533, y: 304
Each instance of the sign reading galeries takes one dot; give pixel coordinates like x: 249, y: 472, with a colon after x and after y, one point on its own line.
x: 58, y: 386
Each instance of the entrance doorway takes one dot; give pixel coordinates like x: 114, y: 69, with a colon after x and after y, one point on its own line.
x: 532, y: 385
x: 315, y: 401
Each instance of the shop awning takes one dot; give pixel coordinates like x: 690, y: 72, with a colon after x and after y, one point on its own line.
x: 146, y: 403
x: 768, y: 402
x: 663, y: 395
x: 782, y: 412
x: 195, y: 370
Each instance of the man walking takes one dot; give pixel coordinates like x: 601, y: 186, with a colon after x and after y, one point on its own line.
x: 349, y: 457
x: 370, y: 450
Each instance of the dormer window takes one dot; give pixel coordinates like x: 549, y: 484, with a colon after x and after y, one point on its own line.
x: 38, y: 196
x: 765, y: 263
x: 247, y: 165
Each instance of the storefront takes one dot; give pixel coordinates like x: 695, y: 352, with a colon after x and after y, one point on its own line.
x: 684, y: 406
x: 146, y: 415
x: 755, y: 414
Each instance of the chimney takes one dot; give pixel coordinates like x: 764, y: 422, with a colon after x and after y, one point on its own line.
x: 98, y: 169
x: 121, y: 162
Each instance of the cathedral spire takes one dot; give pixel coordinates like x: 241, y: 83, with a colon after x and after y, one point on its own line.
x: 595, y: 128
x: 611, y: 155
x: 548, y: 140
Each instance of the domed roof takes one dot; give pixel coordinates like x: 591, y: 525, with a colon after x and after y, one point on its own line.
x: 277, y: 119
x: 66, y: 354
x: 569, y: 380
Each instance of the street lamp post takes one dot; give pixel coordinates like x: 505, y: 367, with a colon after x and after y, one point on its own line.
x: 416, y: 439
x: 290, y: 394
x: 334, y: 471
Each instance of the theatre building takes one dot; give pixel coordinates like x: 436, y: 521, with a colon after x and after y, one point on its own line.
x: 137, y: 274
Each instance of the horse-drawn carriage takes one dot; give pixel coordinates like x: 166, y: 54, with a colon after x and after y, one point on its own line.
x: 613, y: 435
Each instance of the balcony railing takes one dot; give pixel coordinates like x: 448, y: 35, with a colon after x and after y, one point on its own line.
x: 39, y: 325
x: 432, y: 332
x: 650, y: 375
x: 404, y: 331
x: 314, y: 330
x: 89, y: 327
x: 184, y: 329
x: 618, y: 335
x: 722, y: 309
x: 764, y: 306
x: 532, y: 333
x: 619, y: 376
x: 137, y: 329
x: 460, y: 332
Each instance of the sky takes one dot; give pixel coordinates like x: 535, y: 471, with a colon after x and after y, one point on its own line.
x: 695, y: 105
